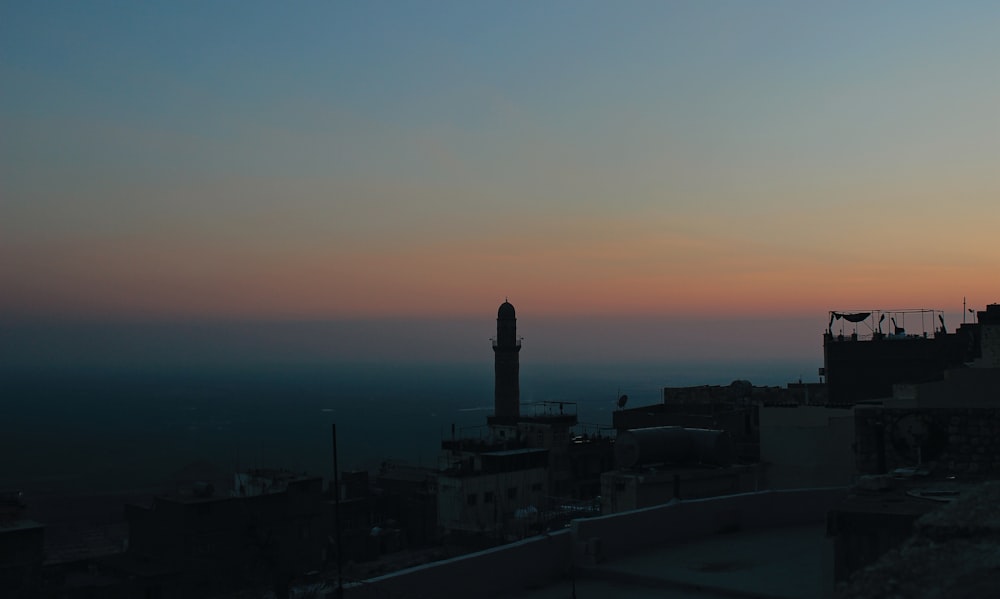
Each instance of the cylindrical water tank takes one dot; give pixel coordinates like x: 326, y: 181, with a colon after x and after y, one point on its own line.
x: 673, y: 445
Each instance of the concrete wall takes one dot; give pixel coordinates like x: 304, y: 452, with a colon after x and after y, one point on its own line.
x: 807, y: 446
x: 636, y: 531
x: 494, y: 572
x: 540, y: 560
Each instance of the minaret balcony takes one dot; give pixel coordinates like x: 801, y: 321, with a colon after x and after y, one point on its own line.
x: 496, y: 345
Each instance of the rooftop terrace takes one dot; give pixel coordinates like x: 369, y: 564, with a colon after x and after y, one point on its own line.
x: 765, y: 544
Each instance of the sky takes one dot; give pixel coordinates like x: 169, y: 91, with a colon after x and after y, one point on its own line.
x: 612, y: 162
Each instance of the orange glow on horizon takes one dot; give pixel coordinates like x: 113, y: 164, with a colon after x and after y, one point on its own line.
x: 157, y: 278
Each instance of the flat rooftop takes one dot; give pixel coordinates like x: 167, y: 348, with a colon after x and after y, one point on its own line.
x: 777, y: 563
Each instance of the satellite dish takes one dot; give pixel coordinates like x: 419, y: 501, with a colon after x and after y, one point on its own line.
x: 622, y: 401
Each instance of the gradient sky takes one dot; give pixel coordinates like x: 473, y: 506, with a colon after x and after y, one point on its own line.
x: 358, y: 160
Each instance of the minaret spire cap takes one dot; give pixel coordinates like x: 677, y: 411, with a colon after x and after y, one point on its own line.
x: 506, y: 310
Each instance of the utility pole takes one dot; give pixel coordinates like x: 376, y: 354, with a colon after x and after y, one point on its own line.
x: 336, y: 518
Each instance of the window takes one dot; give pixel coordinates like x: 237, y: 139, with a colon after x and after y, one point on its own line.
x: 536, y: 487
x: 471, y: 499
x: 512, y: 493
x: 488, y: 497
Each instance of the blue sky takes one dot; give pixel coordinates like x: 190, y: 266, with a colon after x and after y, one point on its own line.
x: 334, y: 160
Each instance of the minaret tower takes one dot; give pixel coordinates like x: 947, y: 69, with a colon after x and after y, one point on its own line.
x: 506, y: 386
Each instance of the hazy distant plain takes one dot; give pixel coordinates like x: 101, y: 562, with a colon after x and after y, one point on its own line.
x: 131, y: 411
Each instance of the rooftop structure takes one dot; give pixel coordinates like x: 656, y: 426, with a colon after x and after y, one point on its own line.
x: 865, y: 353
x: 732, y: 408
x: 261, y: 481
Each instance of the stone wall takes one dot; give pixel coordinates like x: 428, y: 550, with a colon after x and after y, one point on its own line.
x: 959, y: 441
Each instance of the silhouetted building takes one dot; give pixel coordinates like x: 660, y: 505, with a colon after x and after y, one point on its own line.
x: 588, y: 455
x: 494, y: 492
x: 273, y: 528
x: 410, y: 499
x: 732, y: 408
x: 926, y: 442
x: 658, y: 464
x: 862, y: 362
